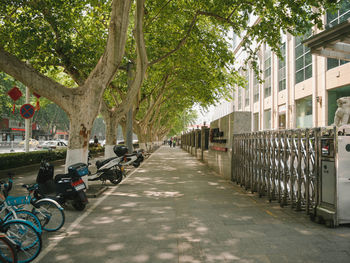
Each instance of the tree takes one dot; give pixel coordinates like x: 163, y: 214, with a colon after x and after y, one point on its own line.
x: 74, y: 35
x: 60, y: 34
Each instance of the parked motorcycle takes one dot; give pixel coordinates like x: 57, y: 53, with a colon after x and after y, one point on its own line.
x: 63, y: 187
x: 108, y: 169
x: 112, y: 169
x: 133, y: 159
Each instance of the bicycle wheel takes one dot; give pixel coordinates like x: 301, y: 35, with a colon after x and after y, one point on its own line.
x: 50, y: 215
x: 7, y: 250
x: 25, y: 215
x: 25, y: 238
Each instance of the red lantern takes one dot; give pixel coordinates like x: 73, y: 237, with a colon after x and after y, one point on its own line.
x: 37, y: 107
x: 15, y: 94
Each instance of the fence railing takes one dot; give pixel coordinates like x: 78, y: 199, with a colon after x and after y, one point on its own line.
x: 283, y: 165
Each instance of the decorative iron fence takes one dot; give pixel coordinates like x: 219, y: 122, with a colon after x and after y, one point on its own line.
x: 283, y: 165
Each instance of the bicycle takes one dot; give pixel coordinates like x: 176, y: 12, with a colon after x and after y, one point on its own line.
x: 12, y: 212
x: 48, y: 211
x: 8, y: 251
x: 24, y: 237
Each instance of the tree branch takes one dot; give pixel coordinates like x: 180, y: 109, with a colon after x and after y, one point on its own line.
x: 109, y: 62
x: 34, y: 80
x: 141, y: 62
x: 152, y: 19
x: 179, y: 45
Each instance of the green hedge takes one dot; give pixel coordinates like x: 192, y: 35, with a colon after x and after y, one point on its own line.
x: 13, y: 160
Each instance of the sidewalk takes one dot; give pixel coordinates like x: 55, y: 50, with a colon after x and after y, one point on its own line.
x: 173, y: 209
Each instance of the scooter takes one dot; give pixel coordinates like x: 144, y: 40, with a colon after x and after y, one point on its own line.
x: 64, y: 187
x: 109, y: 169
x: 133, y: 159
x: 112, y: 169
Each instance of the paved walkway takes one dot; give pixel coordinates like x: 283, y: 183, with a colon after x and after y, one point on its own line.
x: 172, y: 209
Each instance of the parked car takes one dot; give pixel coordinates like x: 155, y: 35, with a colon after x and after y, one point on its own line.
x: 53, y: 145
x: 32, y: 143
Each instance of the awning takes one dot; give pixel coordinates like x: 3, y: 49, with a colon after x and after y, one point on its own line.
x: 332, y: 43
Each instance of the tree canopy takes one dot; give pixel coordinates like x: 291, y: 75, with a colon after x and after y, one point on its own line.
x: 188, y: 40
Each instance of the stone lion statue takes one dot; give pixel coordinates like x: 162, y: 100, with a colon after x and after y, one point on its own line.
x: 342, y: 115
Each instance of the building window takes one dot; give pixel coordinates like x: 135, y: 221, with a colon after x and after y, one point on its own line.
x: 304, y: 112
x: 255, y: 88
x: 303, y: 60
x: 282, y: 121
x: 267, y: 120
x: 333, y: 63
x: 267, y: 72
x: 333, y: 95
x: 247, y: 95
x: 239, y: 98
x: 282, y: 69
x: 334, y: 18
x: 338, y: 16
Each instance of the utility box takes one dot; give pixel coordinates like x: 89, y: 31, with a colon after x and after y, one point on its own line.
x: 333, y: 206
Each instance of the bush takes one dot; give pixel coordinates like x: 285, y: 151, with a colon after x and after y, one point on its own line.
x: 13, y: 160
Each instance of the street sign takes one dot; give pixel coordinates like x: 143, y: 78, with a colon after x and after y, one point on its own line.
x: 27, y: 111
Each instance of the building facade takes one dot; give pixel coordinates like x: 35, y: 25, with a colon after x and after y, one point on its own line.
x: 300, y: 90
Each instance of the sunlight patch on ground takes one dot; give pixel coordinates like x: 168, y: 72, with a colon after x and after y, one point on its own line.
x: 186, y: 258
x: 166, y: 256
x: 115, y: 247
x: 106, y: 208
x: 129, y: 204
x: 304, y: 232
x: 162, y: 194
x: 127, y: 194
x: 224, y: 256
x: 141, y: 258
x: 117, y: 211
x: 202, y: 229
x: 62, y: 257
x: 103, y: 220
x: 157, y: 238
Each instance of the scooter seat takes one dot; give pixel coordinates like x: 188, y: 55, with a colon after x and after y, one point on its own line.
x: 129, y: 155
x: 103, y: 162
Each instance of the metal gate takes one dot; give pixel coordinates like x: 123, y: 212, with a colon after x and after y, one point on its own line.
x: 282, y: 165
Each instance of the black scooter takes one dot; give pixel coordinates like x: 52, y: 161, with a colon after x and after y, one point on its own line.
x: 64, y: 187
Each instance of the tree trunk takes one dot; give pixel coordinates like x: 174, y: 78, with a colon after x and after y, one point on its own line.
x: 111, y: 120
x: 81, y: 122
